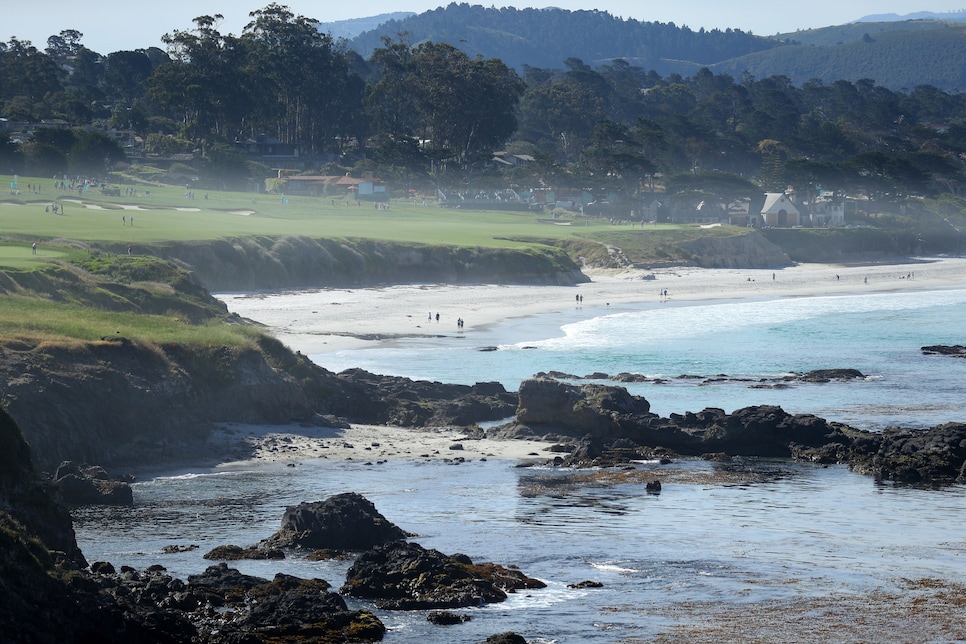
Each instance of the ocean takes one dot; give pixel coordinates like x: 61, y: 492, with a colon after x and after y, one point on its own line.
x: 734, y: 537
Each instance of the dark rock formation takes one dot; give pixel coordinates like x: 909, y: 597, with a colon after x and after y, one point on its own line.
x: 341, y: 522
x: 549, y: 406
x: 505, y: 638
x: 609, y: 419
x: 236, y: 553
x: 47, y: 598
x: 403, y: 402
x: 406, y: 576
x: 813, y: 377
x: 121, y: 402
x: 827, y: 375
x: 446, y: 618
x: 953, y: 351
x: 285, y: 609
x: 931, y: 456
x: 91, y: 485
x: 34, y: 504
x: 615, y: 427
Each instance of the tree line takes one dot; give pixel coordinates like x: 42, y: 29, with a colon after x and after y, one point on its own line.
x: 428, y: 114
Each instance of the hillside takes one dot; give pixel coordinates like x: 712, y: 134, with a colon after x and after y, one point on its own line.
x: 896, y: 59
x: 545, y: 38
x: 895, y: 54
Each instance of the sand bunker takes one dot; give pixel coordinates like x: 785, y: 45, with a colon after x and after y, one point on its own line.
x: 241, y: 213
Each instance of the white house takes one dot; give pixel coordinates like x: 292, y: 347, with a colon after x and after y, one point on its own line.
x: 779, y: 211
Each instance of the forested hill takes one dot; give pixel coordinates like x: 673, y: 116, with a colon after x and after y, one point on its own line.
x: 896, y: 59
x: 545, y: 38
x: 896, y: 55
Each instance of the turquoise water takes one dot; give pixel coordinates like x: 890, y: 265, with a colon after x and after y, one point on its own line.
x: 878, y: 334
x: 732, y: 534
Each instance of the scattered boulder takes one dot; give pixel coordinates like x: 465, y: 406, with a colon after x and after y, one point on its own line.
x: 446, y: 618
x: 405, y: 576
x: 235, y: 553
x: 505, y: 638
x: 828, y: 375
x: 586, y: 584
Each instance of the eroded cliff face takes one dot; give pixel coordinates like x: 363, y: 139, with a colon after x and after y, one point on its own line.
x: 740, y: 251
x: 297, y: 261
x: 124, y: 402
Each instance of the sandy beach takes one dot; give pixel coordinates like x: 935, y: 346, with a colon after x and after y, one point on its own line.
x: 244, y: 446
x: 341, y: 319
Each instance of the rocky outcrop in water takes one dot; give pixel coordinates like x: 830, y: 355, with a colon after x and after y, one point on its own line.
x: 389, y: 400
x: 814, y: 377
x: 929, y: 456
x: 602, y: 415
x: 953, y: 351
x: 344, y: 522
x: 606, y: 425
x: 406, y: 576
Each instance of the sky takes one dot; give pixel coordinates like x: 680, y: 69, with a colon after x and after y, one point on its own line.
x: 114, y: 25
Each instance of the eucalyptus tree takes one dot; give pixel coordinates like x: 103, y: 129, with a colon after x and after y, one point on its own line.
x: 27, y: 78
x: 459, y: 109
x: 305, y: 87
x: 201, y: 82
x: 391, y: 99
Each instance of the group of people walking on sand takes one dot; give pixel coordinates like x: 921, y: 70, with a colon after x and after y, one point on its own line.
x: 459, y: 321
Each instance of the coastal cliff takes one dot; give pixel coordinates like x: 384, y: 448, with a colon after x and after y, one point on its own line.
x: 244, y: 264
x: 739, y: 251
x: 122, y: 403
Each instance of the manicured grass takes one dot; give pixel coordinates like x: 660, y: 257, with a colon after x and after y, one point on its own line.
x: 15, y: 254
x: 168, y: 215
